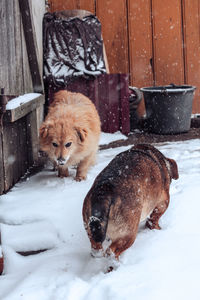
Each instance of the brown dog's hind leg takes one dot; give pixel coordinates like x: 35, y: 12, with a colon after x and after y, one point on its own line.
x: 118, y: 247
x: 152, y: 221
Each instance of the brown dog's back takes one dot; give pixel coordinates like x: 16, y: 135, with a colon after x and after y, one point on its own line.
x: 134, y: 184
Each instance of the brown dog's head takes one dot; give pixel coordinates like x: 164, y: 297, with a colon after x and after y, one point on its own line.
x: 60, y: 140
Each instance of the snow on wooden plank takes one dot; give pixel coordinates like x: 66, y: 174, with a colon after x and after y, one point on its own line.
x: 22, y: 105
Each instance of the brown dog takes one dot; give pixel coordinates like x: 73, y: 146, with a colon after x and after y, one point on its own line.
x: 133, y: 186
x: 70, y: 133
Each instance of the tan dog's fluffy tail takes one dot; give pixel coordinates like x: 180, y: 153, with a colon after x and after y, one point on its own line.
x: 100, y: 203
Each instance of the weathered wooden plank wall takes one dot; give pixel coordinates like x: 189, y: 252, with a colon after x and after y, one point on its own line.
x: 191, y: 40
x: 156, y: 42
x: 18, y: 137
x: 110, y: 94
x: 140, y: 44
x: 167, y: 42
x: 112, y: 15
x: 14, y: 152
x: 1, y: 166
x: 15, y: 74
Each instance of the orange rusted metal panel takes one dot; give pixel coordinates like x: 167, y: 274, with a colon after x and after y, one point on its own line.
x: 140, y: 45
x: 113, y: 18
x: 191, y: 29
x: 167, y: 42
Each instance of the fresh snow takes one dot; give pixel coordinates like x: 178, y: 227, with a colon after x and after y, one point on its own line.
x: 107, y: 138
x: 18, y: 101
x: 161, y: 264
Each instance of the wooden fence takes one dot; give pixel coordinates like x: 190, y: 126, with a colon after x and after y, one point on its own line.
x: 20, y: 74
x: 110, y: 94
x: 156, y: 42
x: 15, y: 76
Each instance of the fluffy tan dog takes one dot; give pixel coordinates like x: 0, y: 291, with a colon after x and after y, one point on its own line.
x: 70, y: 133
x: 133, y: 186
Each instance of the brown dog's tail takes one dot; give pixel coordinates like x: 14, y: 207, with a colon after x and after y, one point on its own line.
x: 101, y: 202
x: 97, y: 229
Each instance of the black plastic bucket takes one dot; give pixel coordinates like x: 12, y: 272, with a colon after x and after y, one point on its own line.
x: 168, y: 108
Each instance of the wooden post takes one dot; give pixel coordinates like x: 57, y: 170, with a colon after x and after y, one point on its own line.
x: 167, y: 42
x: 1, y: 166
x: 191, y: 17
x: 31, y: 45
x: 19, y: 142
x: 32, y: 137
x: 1, y: 256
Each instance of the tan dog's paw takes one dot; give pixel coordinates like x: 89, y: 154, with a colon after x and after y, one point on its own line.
x: 80, y: 177
x: 63, y: 172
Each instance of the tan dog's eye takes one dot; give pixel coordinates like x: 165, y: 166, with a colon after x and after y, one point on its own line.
x: 68, y: 144
x: 55, y: 145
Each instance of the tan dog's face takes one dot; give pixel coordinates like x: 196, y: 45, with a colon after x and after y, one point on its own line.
x: 59, y: 141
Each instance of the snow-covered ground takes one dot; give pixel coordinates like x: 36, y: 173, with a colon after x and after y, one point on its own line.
x: 161, y: 264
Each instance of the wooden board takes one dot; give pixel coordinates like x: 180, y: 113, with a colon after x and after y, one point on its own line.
x: 124, y: 104
x: 1, y: 256
x: 113, y: 102
x: 32, y: 138
x: 15, y: 114
x: 27, y: 80
x: 112, y: 15
x: 11, y: 73
x: 140, y: 45
x: 31, y: 46
x: 14, y: 152
x: 18, y: 146
x: 138, y: 34
x: 22, y: 149
x: 191, y: 29
x: 10, y: 154
x: 12, y: 50
x: 1, y: 165
x: 57, y: 5
x: 110, y: 94
x: 1, y: 264
x: 167, y: 42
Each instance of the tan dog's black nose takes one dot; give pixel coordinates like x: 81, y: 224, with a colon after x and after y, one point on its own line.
x: 61, y: 161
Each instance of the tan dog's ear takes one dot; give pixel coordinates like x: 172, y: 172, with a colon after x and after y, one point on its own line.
x: 82, y: 133
x: 172, y: 168
x: 44, y: 129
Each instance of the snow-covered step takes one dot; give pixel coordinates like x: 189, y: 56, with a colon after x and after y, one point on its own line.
x: 29, y: 238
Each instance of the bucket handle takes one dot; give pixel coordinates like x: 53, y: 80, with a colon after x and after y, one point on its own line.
x: 165, y: 88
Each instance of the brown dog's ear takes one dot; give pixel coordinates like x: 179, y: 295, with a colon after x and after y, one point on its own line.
x: 44, y: 129
x: 172, y: 168
x: 82, y: 133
